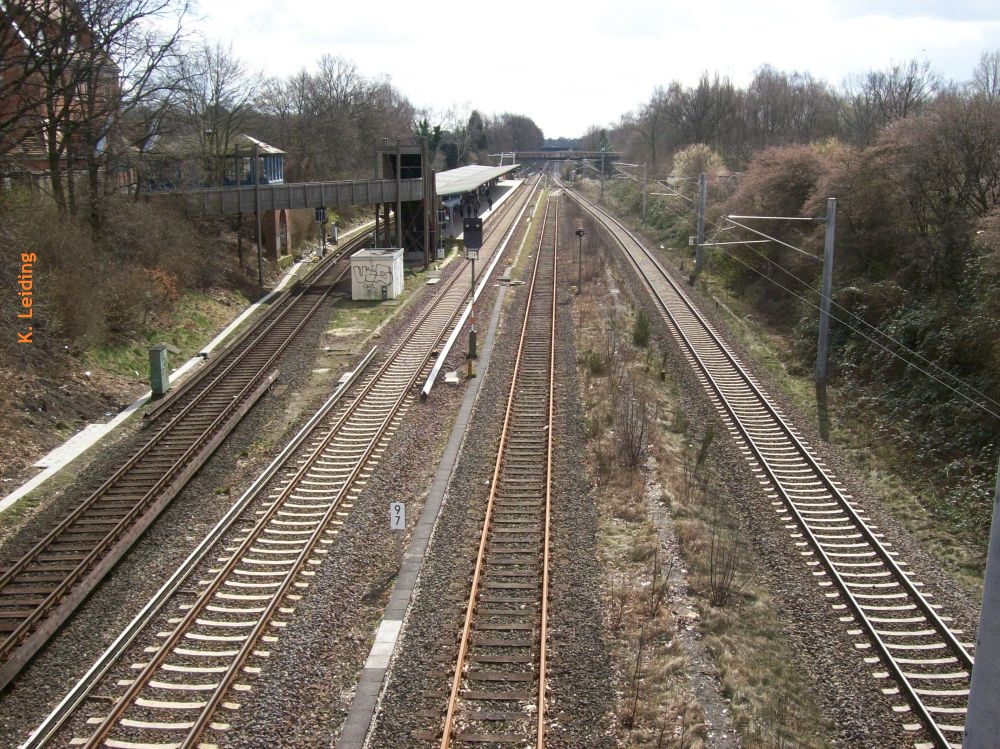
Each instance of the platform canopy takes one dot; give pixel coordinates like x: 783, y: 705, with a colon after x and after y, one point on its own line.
x: 468, y: 178
x: 247, y: 143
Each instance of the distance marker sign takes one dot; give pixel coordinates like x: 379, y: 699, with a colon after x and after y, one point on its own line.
x: 397, y: 516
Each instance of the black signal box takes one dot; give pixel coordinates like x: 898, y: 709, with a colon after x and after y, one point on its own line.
x: 472, y: 232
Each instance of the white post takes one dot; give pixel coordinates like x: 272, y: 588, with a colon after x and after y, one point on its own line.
x: 602, y: 174
x: 982, y: 721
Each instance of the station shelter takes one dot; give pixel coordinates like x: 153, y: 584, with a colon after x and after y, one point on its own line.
x: 468, y: 191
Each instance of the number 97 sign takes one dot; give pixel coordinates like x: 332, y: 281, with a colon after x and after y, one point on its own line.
x: 397, y: 516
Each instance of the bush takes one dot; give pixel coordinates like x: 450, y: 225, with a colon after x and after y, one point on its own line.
x: 92, y: 292
x: 640, y: 331
x: 597, y: 365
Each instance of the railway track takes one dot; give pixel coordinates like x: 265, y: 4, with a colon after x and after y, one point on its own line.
x: 498, y: 688
x: 42, y: 588
x: 247, y: 584
x: 920, y: 658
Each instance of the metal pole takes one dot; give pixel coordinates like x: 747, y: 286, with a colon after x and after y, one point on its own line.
x: 256, y: 200
x: 399, y: 194
x: 602, y: 174
x: 824, y: 302
x: 699, y: 253
x: 579, y: 266
x: 644, y: 188
x: 982, y: 721
x: 472, y: 314
x: 427, y: 189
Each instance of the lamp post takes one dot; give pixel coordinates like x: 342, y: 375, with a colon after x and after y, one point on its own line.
x: 580, y: 233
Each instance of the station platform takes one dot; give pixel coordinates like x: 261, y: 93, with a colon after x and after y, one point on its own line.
x: 499, y: 193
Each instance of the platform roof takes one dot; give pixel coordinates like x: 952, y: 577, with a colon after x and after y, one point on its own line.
x: 247, y: 143
x: 468, y: 178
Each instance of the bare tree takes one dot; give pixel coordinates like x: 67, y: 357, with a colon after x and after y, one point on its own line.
x: 26, y: 35
x: 133, y: 74
x: 874, y: 99
x: 632, y: 419
x: 86, y: 73
x: 326, y: 121
x: 215, y: 102
x: 510, y: 132
x: 986, y: 76
x: 653, y: 126
x: 725, y: 554
x: 780, y: 109
x: 705, y: 113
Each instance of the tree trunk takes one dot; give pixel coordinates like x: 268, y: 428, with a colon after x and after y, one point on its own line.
x: 94, y: 215
x: 55, y: 172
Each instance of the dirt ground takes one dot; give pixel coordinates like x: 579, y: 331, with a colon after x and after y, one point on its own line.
x: 43, y: 405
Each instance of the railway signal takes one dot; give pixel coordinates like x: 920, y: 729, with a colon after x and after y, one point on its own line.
x: 472, y: 233
x: 580, y: 233
x: 321, y: 222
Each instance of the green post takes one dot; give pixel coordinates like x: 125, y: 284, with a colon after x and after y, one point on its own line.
x: 159, y: 374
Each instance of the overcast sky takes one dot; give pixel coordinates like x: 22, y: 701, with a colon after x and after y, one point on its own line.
x: 569, y: 65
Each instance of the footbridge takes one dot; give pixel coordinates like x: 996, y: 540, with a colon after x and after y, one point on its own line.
x: 232, y: 201
x: 560, y: 155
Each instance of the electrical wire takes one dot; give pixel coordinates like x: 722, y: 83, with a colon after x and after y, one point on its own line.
x: 859, y: 319
x: 773, y: 239
x: 869, y: 338
x: 843, y: 309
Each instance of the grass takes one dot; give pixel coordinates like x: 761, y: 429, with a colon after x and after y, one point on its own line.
x: 770, y: 702
x: 196, y: 319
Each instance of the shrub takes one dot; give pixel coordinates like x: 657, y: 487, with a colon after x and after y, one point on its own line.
x: 640, y: 332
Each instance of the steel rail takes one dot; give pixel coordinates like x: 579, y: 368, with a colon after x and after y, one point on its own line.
x: 21, y: 643
x: 399, y: 372
x: 547, y: 536
x: 143, y: 679
x: 901, y: 578
x: 491, y: 503
x: 279, y: 308
x: 10, y: 643
x: 54, y: 721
